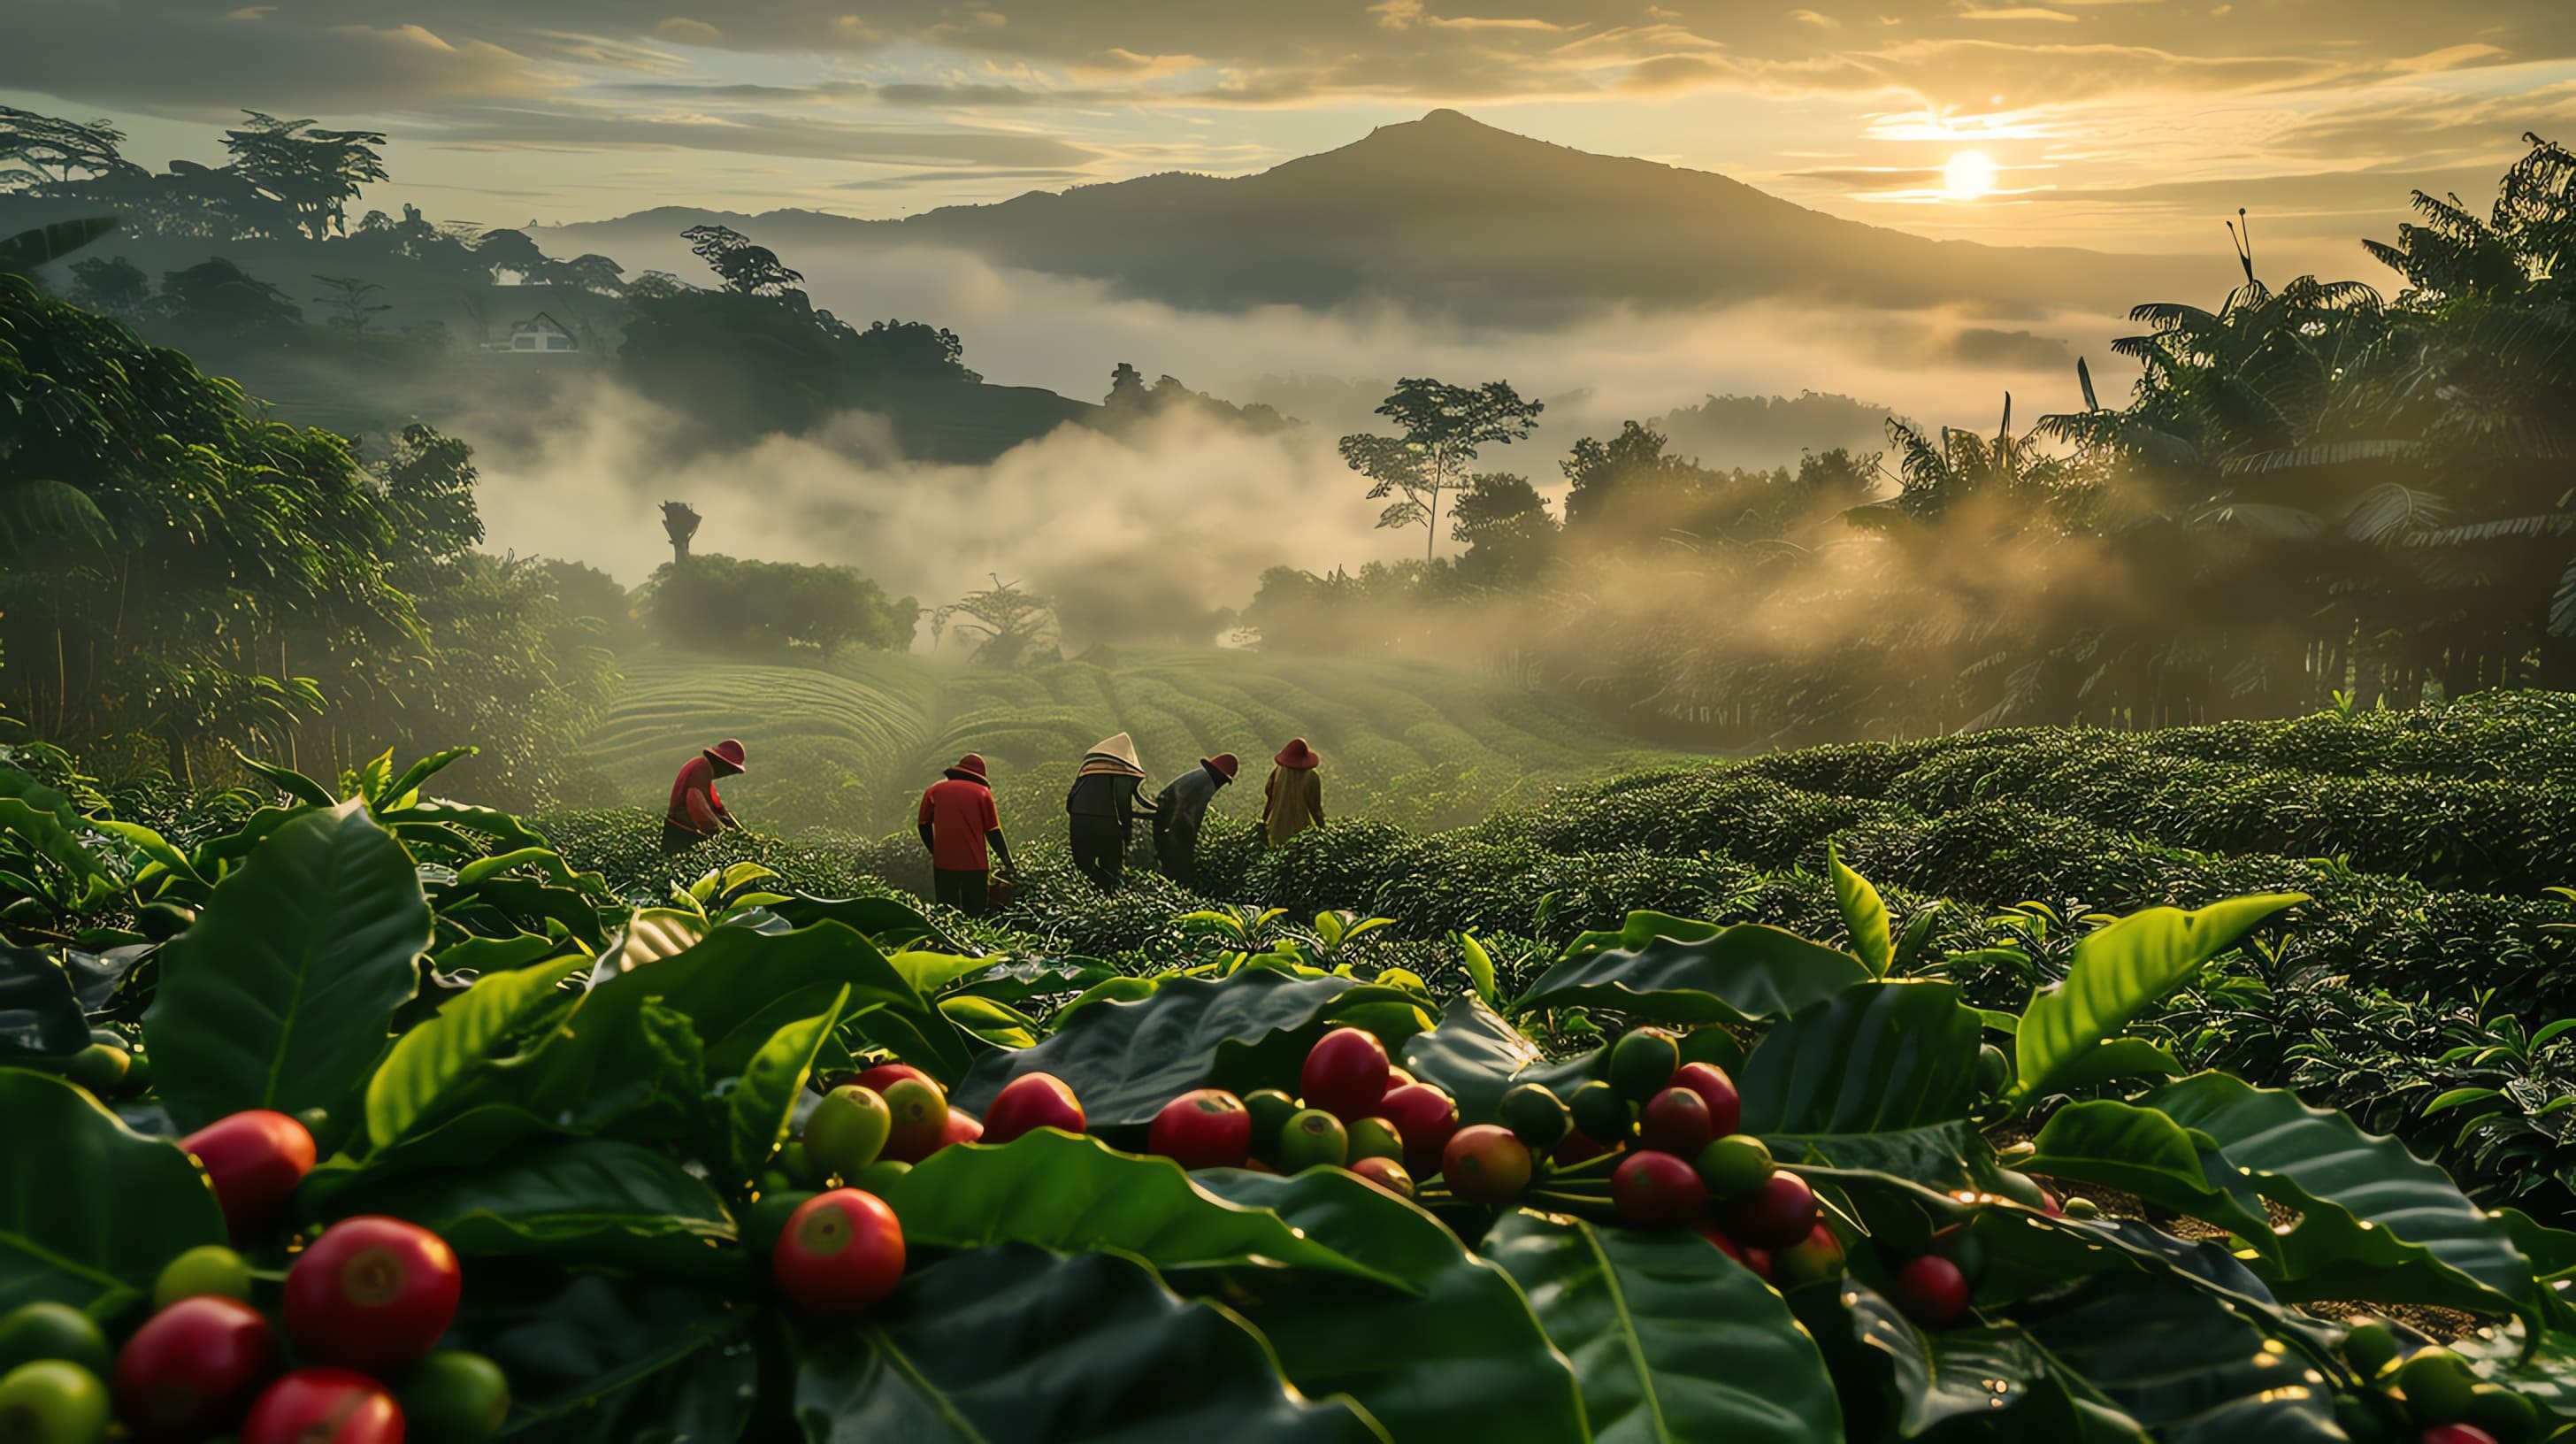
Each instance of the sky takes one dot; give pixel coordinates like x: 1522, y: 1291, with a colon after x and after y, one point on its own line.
x: 2131, y: 125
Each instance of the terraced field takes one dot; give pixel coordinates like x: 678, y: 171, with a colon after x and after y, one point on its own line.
x: 851, y: 744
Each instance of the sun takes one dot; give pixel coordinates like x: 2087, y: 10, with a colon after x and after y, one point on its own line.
x: 1969, y: 176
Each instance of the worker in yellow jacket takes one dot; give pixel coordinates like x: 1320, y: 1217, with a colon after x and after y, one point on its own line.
x: 1294, y: 798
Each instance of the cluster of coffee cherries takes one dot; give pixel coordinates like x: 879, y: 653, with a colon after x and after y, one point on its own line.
x: 2429, y: 1395
x: 341, y: 1350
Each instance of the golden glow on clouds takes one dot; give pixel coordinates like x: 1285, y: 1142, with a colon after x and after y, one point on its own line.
x: 2119, y: 123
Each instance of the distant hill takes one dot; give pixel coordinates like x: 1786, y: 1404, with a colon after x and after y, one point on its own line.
x: 1446, y: 216
x: 1768, y: 431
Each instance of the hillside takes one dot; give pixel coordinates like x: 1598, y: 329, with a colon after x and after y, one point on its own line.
x: 1446, y: 216
x: 853, y: 744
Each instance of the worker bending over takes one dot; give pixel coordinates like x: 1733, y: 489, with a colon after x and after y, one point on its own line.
x: 1179, y: 811
x: 696, y: 813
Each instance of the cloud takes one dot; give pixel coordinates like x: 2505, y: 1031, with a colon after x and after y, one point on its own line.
x: 749, y: 132
x: 1993, y: 350
x: 1096, y: 90
x: 908, y: 180
x: 188, y: 63
x: 2449, y: 57
x: 1878, y: 178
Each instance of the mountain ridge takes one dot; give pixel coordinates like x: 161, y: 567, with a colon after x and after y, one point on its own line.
x: 1449, y: 217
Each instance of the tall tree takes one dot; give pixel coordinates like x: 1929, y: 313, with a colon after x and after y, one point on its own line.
x: 1443, y: 428
x: 313, y: 173
x: 352, y: 302
x: 37, y: 150
x: 1014, y: 626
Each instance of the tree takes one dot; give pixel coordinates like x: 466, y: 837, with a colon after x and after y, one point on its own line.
x: 428, y: 481
x: 680, y: 522
x: 1627, y: 480
x: 721, y: 602
x: 165, y: 561
x: 510, y: 251
x: 589, y: 271
x: 1935, y: 477
x: 1131, y: 402
x: 745, y: 268
x: 312, y: 173
x: 39, y: 150
x: 1504, y: 524
x: 906, y: 351
x: 1126, y: 389
x: 412, y: 241
x: 1444, y: 427
x: 115, y: 287
x: 655, y: 286
x: 349, y: 298
x: 217, y: 297
x: 1015, y: 626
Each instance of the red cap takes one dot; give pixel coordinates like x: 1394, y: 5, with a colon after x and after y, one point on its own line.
x: 970, y: 766
x: 729, y: 752
x: 1298, y: 755
x: 1223, y: 762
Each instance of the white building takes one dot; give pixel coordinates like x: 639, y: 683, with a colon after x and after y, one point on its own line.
x: 539, y: 332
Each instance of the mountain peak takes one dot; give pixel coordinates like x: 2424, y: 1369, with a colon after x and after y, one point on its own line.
x: 1449, y: 215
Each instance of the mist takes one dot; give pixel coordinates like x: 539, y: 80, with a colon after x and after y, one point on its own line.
x: 1142, y: 535
x: 1026, y: 328
x: 1153, y: 533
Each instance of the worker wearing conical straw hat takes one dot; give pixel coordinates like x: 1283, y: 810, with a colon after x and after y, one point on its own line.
x: 1101, y: 809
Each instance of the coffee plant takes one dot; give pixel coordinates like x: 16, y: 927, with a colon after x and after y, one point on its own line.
x: 382, y: 1112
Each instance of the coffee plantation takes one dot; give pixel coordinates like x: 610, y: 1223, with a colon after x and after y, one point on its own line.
x: 402, y: 1112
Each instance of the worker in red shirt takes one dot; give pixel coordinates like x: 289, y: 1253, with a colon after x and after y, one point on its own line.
x: 696, y: 812
x: 963, y: 831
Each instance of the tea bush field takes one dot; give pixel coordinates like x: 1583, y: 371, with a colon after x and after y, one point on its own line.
x: 2432, y: 953
x: 416, y: 1117
x: 850, y: 743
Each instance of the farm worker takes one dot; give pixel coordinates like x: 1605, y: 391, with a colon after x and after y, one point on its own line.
x: 963, y: 831
x: 1102, y: 807
x: 1179, y: 809
x: 696, y: 812
x: 1294, y: 799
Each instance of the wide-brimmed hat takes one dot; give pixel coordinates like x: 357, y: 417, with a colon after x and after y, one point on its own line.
x: 726, y: 754
x: 970, y: 768
x: 1113, y: 754
x: 1298, y: 755
x: 1224, y: 764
